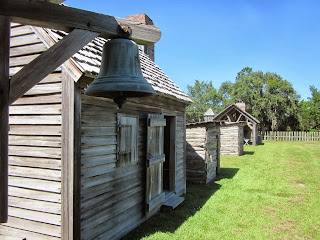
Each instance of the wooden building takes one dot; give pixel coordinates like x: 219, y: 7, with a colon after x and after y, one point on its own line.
x: 236, y: 113
x: 232, y: 139
x: 79, y: 167
x: 203, y: 151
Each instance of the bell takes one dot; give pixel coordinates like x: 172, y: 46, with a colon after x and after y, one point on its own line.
x: 120, y: 75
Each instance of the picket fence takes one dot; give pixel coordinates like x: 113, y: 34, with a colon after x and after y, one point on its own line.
x: 292, y: 136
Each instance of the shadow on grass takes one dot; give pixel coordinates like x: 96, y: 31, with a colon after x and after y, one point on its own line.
x: 248, y: 152
x: 196, y: 196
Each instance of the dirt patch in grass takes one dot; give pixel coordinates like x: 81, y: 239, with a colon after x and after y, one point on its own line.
x: 295, y: 200
x: 270, y: 210
x: 295, y: 182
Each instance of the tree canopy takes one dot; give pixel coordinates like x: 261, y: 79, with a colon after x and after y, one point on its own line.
x: 267, y: 96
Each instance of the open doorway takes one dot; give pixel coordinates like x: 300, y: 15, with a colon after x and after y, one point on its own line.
x: 169, y: 166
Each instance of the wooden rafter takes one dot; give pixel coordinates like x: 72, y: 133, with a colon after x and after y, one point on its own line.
x: 50, y: 15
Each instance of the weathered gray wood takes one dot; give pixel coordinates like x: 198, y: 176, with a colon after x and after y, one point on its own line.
x: 18, y: 234
x: 44, y: 130
x: 156, y: 202
x: 35, y: 215
x: 47, y: 62
x: 40, y: 141
x: 36, y: 184
x: 54, y: 109
x: 34, y: 194
x: 4, y: 95
x: 35, y: 120
x: 35, y: 100
x: 67, y: 18
x: 48, y: 174
x: 36, y: 227
x: 26, y: 50
x: 30, y: 151
x: 155, y: 160
x: 71, y: 157
x: 31, y: 204
x: 155, y: 141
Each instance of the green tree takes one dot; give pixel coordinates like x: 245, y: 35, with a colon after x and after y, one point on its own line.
x: 204, y: 96
x: 310, y: 111
x: 268, y: 97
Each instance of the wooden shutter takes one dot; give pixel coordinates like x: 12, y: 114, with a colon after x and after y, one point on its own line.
x: 127, y: 147
x: 155, y: 158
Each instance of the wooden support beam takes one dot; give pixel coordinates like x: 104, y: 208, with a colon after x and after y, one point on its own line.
x: 4, y: 114
x: 47, y: 62
x: 238, y: 120
x: 45, y: 14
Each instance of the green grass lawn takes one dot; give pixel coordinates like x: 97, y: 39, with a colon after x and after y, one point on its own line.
x: 272, y: 192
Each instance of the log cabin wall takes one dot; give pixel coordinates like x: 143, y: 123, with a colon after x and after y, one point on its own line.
x: 203, y: 153
x: 113, y: 196
x: 232, y: 140
x: 34, y: 148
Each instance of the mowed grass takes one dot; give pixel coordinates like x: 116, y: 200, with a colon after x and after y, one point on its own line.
x: 272, y: 192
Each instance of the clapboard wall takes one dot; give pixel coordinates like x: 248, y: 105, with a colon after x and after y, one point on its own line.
x: 232, y: 140
x: 203, y: 152
x: 113, y: 198
x: 34, y: 148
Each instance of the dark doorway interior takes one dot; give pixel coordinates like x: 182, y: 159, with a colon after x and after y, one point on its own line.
x: 169, y: 151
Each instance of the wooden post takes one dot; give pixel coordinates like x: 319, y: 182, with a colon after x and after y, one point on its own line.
x: 4, y: 119
x: 254, y: 135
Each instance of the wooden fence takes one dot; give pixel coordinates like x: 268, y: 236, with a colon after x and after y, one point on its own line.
x: 292, y: 136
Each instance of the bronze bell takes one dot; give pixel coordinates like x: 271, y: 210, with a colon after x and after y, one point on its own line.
x: 120, y: 75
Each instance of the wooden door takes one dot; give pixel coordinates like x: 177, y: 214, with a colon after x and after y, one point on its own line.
x: 154, y: 164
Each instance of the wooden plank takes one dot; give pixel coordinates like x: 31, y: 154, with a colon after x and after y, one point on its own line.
x: 47, y: 62
x: 31, y: 204
x: 156, y: 202
x: 34, y: 194
x: 34, y: 100
x: 20, y: 30
x: 71, y: 157
x: 67, y: 18
x: 35, y: 120
x: 44, y: 89
x: 35, y: 184
x: 22, y: 60
x: 35, y: 130
x: 33, y: 226
x: 53, y: 109
x: 35, y: 215
x: 24, y: 40
x: 18, y: 234
x: 45, y: 163
x: 4, y: 91
x: 26, y: 50
x: 39, y: 141
x: 47, y: 174
x: 157, y: 122
x: 30, y: 151
x: 155, y: 160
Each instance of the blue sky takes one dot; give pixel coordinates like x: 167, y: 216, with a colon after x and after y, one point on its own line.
x: 212, y: 40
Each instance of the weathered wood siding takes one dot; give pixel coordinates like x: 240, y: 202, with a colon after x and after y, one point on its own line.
x: 231, y: 140
x: 203, y: 153
x: 34, y: 148
x: 113, y: 197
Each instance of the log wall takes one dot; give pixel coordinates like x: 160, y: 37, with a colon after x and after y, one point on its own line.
x: 203, y: 153
x: 113, y: 198
x: 232, y: 140
x: 34, y: 148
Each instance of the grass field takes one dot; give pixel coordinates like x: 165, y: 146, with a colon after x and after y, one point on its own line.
x: 272, y: 192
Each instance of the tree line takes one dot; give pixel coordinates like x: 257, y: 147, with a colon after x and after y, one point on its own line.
x: 268, y: 97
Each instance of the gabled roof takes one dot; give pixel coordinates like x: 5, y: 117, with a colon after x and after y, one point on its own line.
x: 233, y: 109
x: 88, y: 60
x: 209, y: 112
